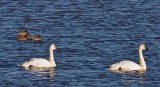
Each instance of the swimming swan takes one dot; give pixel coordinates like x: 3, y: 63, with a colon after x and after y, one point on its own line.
x: 129, y: 65
x: 40, y: 62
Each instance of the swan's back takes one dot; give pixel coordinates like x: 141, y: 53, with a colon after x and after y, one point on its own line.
x: 125, y: 65
x: 37, y: 62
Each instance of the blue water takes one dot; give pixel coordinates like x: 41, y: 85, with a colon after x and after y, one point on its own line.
x: 90, y: 35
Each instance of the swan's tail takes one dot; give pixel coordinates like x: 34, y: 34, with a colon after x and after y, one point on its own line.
x: 108, y: 68
x: 19, y: 65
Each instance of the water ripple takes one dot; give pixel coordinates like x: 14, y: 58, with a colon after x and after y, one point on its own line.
x: 90, y: 36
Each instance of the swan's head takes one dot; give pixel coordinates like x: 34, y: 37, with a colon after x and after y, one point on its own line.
x: 53, y: 47
x: 143, y: 47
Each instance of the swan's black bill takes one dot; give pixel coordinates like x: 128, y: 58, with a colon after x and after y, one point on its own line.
x: 146, y: 47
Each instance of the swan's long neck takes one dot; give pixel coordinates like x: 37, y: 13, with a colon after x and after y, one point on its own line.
x: 51, y: 58
x: 141, y: 60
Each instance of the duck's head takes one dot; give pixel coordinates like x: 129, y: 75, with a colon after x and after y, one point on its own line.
x: 23, y: 33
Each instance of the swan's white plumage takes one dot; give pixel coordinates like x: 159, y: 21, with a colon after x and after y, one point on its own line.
x: 37, y: 62
x: 125, y: 65
x: 40, y: 62
x: 129, y: 65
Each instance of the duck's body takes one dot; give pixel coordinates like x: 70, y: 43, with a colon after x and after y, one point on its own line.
x: 129, y: 65
x: 23, y: 38
x: 40, y: 62
x: 36, y: 38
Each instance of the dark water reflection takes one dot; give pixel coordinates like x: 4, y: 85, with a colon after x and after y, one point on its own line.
x: 90, y: 35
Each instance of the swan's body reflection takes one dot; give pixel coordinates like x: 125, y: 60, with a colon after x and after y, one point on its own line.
x: 43, y: 72
x: 137, y: 72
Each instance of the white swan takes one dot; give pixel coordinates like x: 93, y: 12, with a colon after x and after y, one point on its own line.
x: 40, y: 62
x: 129, y: 65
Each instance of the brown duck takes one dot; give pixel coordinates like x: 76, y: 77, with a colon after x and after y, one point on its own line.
x: 24, y: 38
x: 36, y: 38
x: 24, y: 33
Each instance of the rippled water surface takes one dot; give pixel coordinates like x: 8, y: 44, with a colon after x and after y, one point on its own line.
x: 90, y: 35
